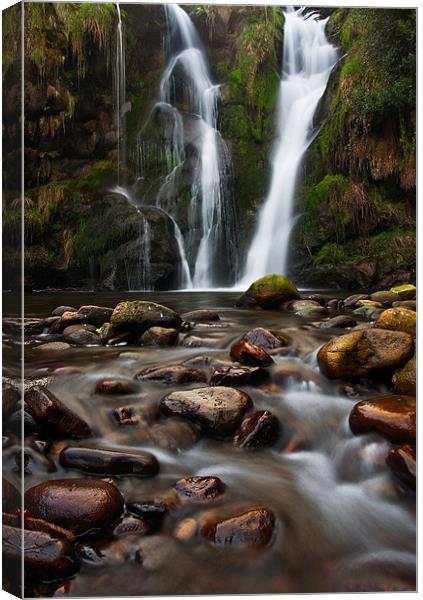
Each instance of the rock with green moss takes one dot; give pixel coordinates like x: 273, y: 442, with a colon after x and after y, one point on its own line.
x: 269, y: 292
x: 140, y: 315
x: 406, y: 291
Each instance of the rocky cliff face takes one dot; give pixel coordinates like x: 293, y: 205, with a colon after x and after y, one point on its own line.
x: 358, y: 192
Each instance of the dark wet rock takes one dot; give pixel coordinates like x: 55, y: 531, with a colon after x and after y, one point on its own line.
x: 410, y: 304
x: 107, y: 332
x: 152, y: 512
x: 261, y: 428
x: 351, y: 301
x: 319, y: 298
x: 103, y: 461
x: 265, y: 339
x: 173, y: 374
x: 14, y: 422
x: 334, y: 303
x: 80, y: 505
x: 45, y: 556
x: 201, y: 315
x: 96, y: 315
x: 140, y: 315
x: 71, y: 329
x: 59, y: 310
x: 385, y: 297
x: 30, y: 326
x: 50, y: 528
x: 72, y: 318
x: 11, y: 497
x: 10, y: 398
x: 194, y: 341
x: 394, y: 417
x: 115, y: 386
x: 250, y: 355
x: 53, y: 324
x: 253, y: 527
x: 53, y: 347
x: 359, y: 352
x: 340, y: 321
x: 83, y: 337
x: 402, y: 462
x: 234, y: 375
x: 159, y: 336
x: 218, y: 410
x: 199, y: 489
x: 404, y: 379
x: 398, y: 319
x: 405, y: 292
x: 172, y: 435
x: 50, y: 411
x: 131, y: 526
x: 269, y: 292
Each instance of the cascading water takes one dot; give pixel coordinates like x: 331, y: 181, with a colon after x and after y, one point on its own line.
x: 187, y: 93
x: 308, y: 59
x: 120, y: 94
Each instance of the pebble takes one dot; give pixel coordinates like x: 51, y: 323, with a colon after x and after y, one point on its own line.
x: 199, y: 489
x: 253, y: 527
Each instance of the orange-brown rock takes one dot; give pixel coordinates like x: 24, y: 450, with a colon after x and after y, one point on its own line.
x: 357, y: 353
x: 250, y: 355
x: 394, y: 417
x: 402, y: 462
x: 261, y: 428
x: 398, y: 319
x: 253, y: 527
x: 404, y: 379
x: 199, y: 489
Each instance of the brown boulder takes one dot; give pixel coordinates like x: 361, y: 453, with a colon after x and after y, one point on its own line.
x: 199, y: 489
x: 253, y: 527
x: 202, y: 315
x: 265, y: 339
x: 404, y: 379
x: 173, y: 374
x: 261, y: 428
x: 250, y: 355
x: 393, y: 417
x: 402, y: 462
x: 103, y: 461
x: 398, y: 319
x: 238, y: 375
x: 159, y: 336
x: 359, y: 352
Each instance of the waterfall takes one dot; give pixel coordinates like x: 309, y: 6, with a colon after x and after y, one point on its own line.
x: 120, y: 95
x: 186, y: 281
x: 308, y: 59
x: 188, y: 101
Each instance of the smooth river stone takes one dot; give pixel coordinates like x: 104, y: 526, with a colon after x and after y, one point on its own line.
x: 234, y: 375
x: 80, y: 505
x: 45, y: 556
x: 218, y: 410
x: 48, y: 410
x: 159, y: 336
x: 59, y: 310
x: 357, y: 353
x: 261, y: 428
x: 402, y: 462
x: 109, y: 462
x: 352, y: 300
x: 253, y: 527
x: 199, y: 489
x: 250, y: 355
x: 394, y: 417
x: 265, y: 339
x: 173, y: 374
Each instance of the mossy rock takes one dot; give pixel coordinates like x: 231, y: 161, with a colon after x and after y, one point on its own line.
x: 139, y: 315
x: 269, y: 291
x: 406, y: 291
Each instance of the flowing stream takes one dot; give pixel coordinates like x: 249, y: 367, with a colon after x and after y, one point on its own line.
x: 308, y: 59
x: 341, y: 524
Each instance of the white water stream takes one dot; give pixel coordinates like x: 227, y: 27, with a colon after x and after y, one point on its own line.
x: 120, y: 94
x: 308, y: 59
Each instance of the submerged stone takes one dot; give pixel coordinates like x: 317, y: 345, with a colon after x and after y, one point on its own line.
x: 201, y: 315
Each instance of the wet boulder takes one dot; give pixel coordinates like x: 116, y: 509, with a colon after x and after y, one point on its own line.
x: 218, y: 410
x: 159, y: 336
x: 406, y: 291
x: 385, y: 297
x: 265, y: 339
x: 103, y: 461
x: 149, y: 510
x: 59, y: 310
x: 351, y: 301
x: 96, y: 315
x: 202, y: 315
x: 269, y: 292
x: 340, y: 321
x: 248, y: 354
x: 107, y: 332
x: 410, y: 304
x: 45, y: 556
x: 83, y: 337
x: 398, y: 319
x: 199, y: 489
x: 115, y: 387
x: 173, y: 374
x: 402, y: 462
x: 253, y: 527
x: 404, y: 379
x: 298, y: 305
x: 140, y: 315
x: 80, y: 505
x: 357, y: 353
x: 234, y: 375
x: 131, y: 526
x: 14, y: 326
x: 195, y: 341
x: 393, y: 417
x: 10, y: 398
x: 261, y: 428
x: 50, y: 411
